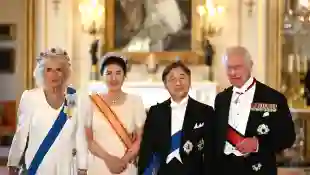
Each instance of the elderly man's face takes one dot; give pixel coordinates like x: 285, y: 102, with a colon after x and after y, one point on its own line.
x: 238, y: 70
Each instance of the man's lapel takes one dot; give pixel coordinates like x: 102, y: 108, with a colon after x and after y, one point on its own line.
x: 188, y: 124
x: 223, y: 114
x: 254, y: 116
x: 166, y: 126
x: 226, y: 106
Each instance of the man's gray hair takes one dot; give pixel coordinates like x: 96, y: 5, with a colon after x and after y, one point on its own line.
x: 38, y: 72
x: 238, y: 51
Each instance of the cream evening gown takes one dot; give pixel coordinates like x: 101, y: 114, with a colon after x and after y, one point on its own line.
x: 132, y: 115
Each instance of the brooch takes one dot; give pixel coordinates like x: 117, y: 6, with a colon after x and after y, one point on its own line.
x: 266, y: 114
x: 188, y: 147
x: 71, y: 100
x: 257, y: 167
x: 71, y: 103
x: 200, y: 144
x: 263, y: 129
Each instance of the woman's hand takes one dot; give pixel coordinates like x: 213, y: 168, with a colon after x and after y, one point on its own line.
x: 132, y: 153
x: 129, y: 157
x: 115, y: 164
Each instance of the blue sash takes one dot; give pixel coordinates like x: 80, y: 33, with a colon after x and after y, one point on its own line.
x: 175, y: 141
x: 50, y: 137
x: 153, y: 167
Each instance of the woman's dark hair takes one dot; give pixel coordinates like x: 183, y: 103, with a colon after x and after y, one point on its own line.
x: 114, y: 60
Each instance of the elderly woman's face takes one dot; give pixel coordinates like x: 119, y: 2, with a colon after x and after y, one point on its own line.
x: 55, y: 72
x: 114, y: 77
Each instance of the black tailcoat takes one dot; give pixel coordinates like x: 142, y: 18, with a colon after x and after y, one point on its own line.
x: 281, y: 133
x: 157, y: 138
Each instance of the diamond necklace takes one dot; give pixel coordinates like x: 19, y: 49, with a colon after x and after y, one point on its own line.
x: 114, y: 101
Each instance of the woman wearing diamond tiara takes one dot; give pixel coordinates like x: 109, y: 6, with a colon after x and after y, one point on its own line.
x: 48, y: 131
x: 115, y: 121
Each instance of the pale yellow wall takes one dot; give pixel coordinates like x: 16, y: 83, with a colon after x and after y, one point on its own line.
x: 63, y: 29
x: 14, y: 11
x: 240, y: 29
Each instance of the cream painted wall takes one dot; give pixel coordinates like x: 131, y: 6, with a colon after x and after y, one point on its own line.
x: 14, y: 11
x: 63, y: 29
x: 241, y: 29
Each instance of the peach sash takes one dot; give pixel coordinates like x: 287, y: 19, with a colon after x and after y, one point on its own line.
x: 109, y: 114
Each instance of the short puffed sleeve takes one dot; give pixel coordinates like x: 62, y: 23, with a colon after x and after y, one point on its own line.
x: 139, y: 111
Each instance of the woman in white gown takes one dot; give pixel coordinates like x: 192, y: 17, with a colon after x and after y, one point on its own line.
x: 48, y: 132
x: 115, y: 123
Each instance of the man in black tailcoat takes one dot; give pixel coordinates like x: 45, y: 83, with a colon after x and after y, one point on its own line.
x: 253, y: 121
x: 177, y: 133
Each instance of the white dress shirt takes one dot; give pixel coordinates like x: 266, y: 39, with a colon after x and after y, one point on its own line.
x: 177, y: 119
x: 239, y: 111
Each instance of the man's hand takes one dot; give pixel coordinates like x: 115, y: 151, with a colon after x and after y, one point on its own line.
x: 115, y: 164
x: 248, y: 145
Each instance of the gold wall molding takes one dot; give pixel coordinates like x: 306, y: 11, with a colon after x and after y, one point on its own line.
x: 193, y: 56
x: 45, y: 23
x: 29, y: 62
x: 274, y: 43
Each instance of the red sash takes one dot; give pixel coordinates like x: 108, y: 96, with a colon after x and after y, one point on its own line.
x: 109, y: 114
x: 233, y: 136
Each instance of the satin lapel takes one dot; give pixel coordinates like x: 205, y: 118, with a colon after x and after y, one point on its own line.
x: 187, y: 127
x: 223, y: 113
x: 166, y: 127
x: 253, y: 114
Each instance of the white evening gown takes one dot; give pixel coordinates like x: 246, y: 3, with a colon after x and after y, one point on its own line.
x: 132, y: 115
x: 36, y: 117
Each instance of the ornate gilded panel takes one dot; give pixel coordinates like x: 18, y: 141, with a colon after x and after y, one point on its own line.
x: 139, y: 28
x: 288, y: 35
x: 30, y: 57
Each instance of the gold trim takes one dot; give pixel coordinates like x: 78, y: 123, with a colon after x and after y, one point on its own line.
x: 239, y: 36
x: 274, y: 39
x: 261, y: 21
x: 193, y: 56
x: 30, y: 45
x: 45, y: 24
x: 109, y: 19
